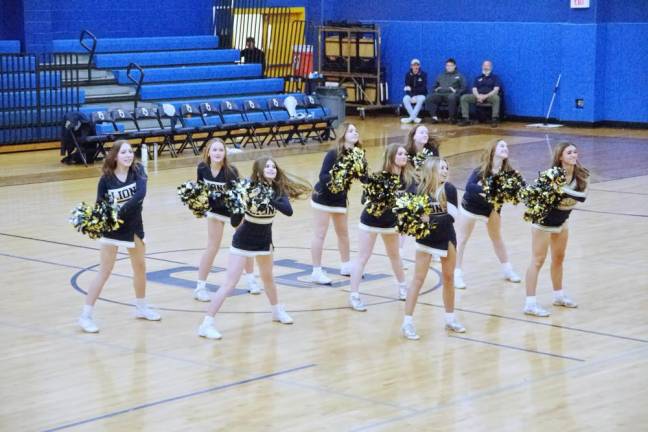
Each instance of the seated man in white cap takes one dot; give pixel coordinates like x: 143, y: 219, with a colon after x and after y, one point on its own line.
x: 415, y: 91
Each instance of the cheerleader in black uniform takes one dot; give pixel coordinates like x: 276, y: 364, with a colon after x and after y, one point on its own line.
x: 395, y: 162
x: 329, y: 206
x: 475, y: 207
x: 553, y: 232
x: 253, y: 238
x: 215, y: 170
x: 125, y: 181
x: 441, y: 241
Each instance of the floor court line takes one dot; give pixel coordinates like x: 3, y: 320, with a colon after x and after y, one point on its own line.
x: 516, y: 348
x: 525, y: 382
x: 209, y: 365
x: 179, y: 397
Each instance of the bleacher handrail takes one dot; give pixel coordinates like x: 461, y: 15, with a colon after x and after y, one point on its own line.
x: 91, y: 50
x: 137, y: 82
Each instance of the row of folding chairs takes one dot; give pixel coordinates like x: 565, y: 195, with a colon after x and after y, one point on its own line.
x: 192, y: 125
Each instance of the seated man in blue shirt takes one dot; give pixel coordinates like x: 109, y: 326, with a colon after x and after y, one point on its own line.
x: 485, y: 89
x: 415, y: 91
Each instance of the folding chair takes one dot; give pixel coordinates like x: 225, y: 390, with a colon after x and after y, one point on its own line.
x: 262, y: 126
x: 191, y: 121
x: 285, y: 126
x: 323, y: 125
x: 148, y: 127
x: 236, y: 123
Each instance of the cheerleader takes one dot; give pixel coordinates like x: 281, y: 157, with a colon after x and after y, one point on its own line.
x: 475, y: 207
x: 441, y: 241
x: 553, y: 232
x: 215, y: 171
x: 329, y: 206
x: 419, y: 147
x: 125, y: 181
x: 420, y: 144
x: 253, y: 238
x: 395, y: 162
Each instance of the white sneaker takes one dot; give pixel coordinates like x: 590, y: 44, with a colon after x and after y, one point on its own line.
x: 320, y: 277
x: 406, y: 120
x: 345, y: 269
x: 402, y: 292
x: 511, y: 276
x: 458, y: 279
x: 253, y: 286
x: 280, y: 315
x: 455, y: 326
x: 536, y: 310
x: 565, y: 302
x: 209, y: 331
x: 147, y: 313
x: 357, y: 304
x: 417, y: 120
x: 201, y: 294
x: 88, y: 325
x: 409, y: 332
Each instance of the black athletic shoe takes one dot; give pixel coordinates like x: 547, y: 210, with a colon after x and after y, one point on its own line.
x: 464, y: 122
x: 495, y: 123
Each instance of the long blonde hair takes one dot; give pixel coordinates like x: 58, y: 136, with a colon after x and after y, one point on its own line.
x: 581, y: 174
x: 431, y: 183
x: 486, y: 164
x: 389, y: 163
x: 230, y: 171
x: 282, y: 183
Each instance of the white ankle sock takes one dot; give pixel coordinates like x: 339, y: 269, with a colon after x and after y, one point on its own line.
x: 275, y: 308
x: 355, y: 295
x: 530, y: 301
x: 408, y: 320
x: 249, y: 277
x: 201, y: 285
x: 458, y: 271
x: 140, y: 303
x: 449, y: 317
x: 402, y: 285
x: 208, y: 321
x: 87, y: 311
x: 346, y: 263
x: 558, y: 294
x: 507, y: 267
x: 317, y: 269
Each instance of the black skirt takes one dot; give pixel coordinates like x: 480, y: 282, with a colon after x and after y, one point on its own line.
x: 438, y: 241
x: 478, y: 208
x: 252, y: 239
x: 125, y: 235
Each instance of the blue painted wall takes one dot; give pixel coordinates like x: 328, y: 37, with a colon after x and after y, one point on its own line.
x: 602, y: 51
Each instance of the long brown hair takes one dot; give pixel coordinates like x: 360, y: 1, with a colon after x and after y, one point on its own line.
x: 283, y: 184
x: 110, y: 162
x: 339, y: 146
x: 230, y: 171
x: 431, y: 183
x: 486, y: 164
x: 389, y: 163
x: 581, y: 174
x: 411, y: 147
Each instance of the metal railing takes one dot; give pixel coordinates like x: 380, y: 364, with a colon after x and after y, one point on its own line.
x: 36, y: 91
x: 137, y: 81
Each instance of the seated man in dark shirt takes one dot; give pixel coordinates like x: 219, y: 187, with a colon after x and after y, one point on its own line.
x: 252, y: 54
x: 485, y: 89
x: 448, y: 88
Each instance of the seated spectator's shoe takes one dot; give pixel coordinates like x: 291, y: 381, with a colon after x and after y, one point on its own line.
x: 417, y: 120
x: 565, y: 302
x: 453, y: 120
x: 406, y: 120
x: 494, y: 123
x: 435, y: 119
x: 464, y: 122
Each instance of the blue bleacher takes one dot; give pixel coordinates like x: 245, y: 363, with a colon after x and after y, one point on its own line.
x: 17, y: 64
x: 9, y: 46
x: 191, y: 73
x: 117, y: 61
x: 207, y: 89
x: 56, y: 97
x: 28, y: 81
x: 168, y: 43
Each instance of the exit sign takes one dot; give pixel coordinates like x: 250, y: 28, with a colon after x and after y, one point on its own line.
x: 580, y: 4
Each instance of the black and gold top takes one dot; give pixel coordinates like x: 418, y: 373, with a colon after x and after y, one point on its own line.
x: 217, y: 183
x: 442, y: 220
x: 559, y: 214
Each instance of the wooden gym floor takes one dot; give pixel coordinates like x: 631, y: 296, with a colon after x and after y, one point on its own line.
x: 338, y: 370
